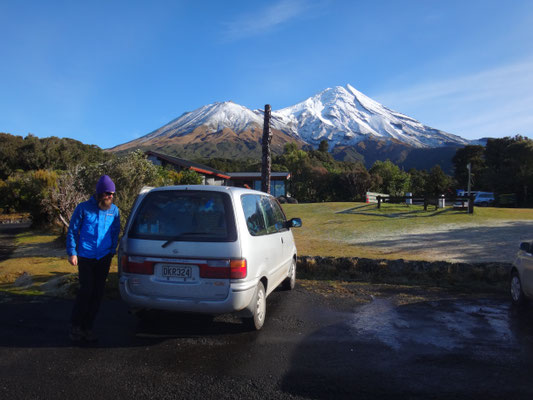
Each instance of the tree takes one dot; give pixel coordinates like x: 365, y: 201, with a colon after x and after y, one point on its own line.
x: 437, y: 183
x: 521, y: 163
x: 184, y: 177
x: 51, y: 153
x: 354, y: 183
x: 475, y: 155
x: 418, y: 182
x: 9, y: 153
x: 63, y: 198
x: 323, y: 147
x: 24, y: 191
x: 393, y: 180
x: 130, y: 173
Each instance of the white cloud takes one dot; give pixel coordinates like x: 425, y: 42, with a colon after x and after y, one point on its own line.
x: 266, y: 19
x: 495, y: 102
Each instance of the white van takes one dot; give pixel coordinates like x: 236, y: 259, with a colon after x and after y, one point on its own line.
x: 206, y: 249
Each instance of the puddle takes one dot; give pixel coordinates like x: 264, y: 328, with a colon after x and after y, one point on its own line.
x: 446, y: 326
x: 380, y: 320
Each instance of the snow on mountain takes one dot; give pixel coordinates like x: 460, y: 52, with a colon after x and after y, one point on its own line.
x: 214, y: 117
x: 345, y: 116
x: 341, y: 115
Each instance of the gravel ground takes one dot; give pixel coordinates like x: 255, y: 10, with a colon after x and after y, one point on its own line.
x: 491, y: 242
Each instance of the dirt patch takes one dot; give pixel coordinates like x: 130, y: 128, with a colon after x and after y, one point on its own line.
x: 52, y: 249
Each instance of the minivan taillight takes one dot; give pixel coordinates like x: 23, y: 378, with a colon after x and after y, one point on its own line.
x: 136, y: 265
x: 238, y: 269
x: 223, y: 269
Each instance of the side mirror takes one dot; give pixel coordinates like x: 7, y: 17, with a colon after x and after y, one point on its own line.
x: 294, y: 223
x: 525, y: 246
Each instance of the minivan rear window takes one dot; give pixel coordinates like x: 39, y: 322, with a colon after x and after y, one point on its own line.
x: 185, y: 215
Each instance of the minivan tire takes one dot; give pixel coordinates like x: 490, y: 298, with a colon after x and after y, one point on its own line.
x: 259, y: 309
x: 290, y: 282
x: 515, y: 289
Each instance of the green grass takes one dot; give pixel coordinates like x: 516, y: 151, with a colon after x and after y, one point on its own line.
x: 35, y: 237
x: 328, y: 227
x: 326, y: 231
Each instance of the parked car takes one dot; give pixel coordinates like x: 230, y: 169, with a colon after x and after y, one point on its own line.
x: 481, y: 199
x: 521, y: 286
x: 206, y: 249
x: 484, y: 199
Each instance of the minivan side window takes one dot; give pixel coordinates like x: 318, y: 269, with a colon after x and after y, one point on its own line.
x: 279, y: 215
x: 253, y: 213
x: 274, y: 216
x: 263, y: 215
x: 269, y: 215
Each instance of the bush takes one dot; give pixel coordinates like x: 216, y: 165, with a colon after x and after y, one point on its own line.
x: 25, y: 192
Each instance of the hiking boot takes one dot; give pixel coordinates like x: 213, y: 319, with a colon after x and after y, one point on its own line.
x: 89, y: 336
x: 76, y: 334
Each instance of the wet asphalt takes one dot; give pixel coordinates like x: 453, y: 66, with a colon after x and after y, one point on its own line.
x: 478, y: 348
x: 311, y: 346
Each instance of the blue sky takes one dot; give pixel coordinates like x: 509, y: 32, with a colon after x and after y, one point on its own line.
x: 106, y: 72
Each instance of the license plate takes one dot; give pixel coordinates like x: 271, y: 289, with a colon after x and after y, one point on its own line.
x: 176, y: 272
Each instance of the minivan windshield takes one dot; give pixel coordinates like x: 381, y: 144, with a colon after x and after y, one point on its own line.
x: 185, y: 215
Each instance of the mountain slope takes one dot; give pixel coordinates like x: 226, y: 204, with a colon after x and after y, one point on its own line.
x: 216, y: 130
x: 343, y: 116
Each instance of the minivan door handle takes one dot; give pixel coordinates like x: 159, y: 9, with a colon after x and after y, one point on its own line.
x: 281, y: 240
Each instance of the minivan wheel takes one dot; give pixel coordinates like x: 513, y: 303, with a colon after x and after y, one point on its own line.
x: 259, y: 309
x: 290, y: 282
x: 517, y: 294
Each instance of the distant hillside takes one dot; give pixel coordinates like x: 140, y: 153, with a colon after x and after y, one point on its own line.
x: 32, y: 153
x: 400, y: 154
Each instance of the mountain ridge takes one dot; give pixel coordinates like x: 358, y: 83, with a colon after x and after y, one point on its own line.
x: 341, y: 115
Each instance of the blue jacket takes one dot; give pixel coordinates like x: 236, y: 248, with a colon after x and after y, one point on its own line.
x: 92, y: 232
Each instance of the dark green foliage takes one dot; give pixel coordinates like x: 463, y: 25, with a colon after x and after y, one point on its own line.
x: 475, y: 155
x: 418, y: 182
x: 438, y: 183
x: 231, y: 165
x: 31, y: 153
x: 504, y: 166
x: 316, y: 176
x: 353, y: 183
x: 394, y: 181
x: 25, y: 191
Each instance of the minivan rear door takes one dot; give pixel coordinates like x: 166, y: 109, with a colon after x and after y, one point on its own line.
x: 187, y: 238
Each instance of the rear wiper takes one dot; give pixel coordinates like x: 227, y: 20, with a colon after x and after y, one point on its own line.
x: 182, y: 234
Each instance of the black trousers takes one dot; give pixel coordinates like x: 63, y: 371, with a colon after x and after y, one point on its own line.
x: 92, y: 275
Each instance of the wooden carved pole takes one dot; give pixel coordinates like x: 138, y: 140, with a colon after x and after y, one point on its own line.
x: 267, y: 160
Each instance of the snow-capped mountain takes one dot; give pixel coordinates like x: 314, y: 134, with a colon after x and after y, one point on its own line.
x: 213, y: 117
x: 345, y: 116
x: 342, y: 115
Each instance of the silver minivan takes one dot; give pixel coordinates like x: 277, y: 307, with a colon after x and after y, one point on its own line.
x: 206, y: 249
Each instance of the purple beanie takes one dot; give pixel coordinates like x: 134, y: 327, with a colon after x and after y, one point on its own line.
x: 105, y: 184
